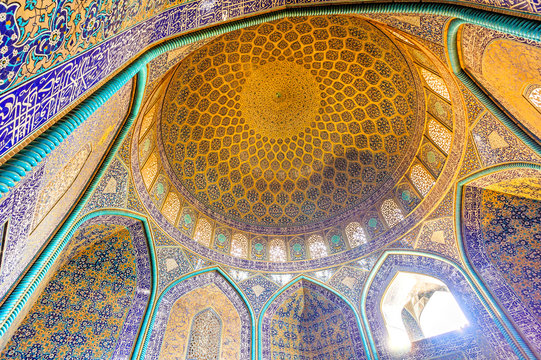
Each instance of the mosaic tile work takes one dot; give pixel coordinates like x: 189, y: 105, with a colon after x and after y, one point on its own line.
x: 446, y: 206
x: 427, y: 27
x: 41, y: 37
x: 57, y: 186
x: 349, y: 281
x: 258, y: 290
x: 438, y: 236
x: 297, y: 249
x: 495, y: 144
x: 172, y: 264
x: 24, y: 241
x: 471, y: 160
x: 112, y: 189
x: 521, y: 182
x: 481, y: 339
x: 491, y: 58
x: 84, y: 308
x: 18, y: 209
x: 158, y: 67
x: 184, y: 312
x: 178, y: 306
x: 511, y: 228
x: 290, y: 173
x: 307, y: 321
x: 160, y: 238
x: 501, y: 238
x: 473, y: 106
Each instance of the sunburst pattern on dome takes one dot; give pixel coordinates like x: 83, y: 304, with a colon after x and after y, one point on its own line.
x: 291, y: 122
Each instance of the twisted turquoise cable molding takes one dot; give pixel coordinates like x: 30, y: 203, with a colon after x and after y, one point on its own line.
x: 323, y: 285
x: 469, y: 268
x: 148, y: 332
x: 454, y: 60
x: 18, y: 166
x: 46, y: 142
x: 35, y: 274
x: 471, y: 281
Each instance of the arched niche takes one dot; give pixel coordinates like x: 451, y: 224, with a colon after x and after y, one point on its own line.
x: 481, y: 337
x: 95, y: 298
x: 179, y: 308
x: 501, y: 231
x: 308, y: 320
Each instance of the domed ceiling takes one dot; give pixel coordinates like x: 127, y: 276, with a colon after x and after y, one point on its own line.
x: 285, y: 126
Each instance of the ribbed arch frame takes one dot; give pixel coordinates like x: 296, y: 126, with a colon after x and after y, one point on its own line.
x: 488, y: 303
x: 23, y: 162
x: 147, y: 332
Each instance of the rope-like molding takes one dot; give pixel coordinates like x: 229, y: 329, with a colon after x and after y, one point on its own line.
x: 23, y: 162
x: 24, y: 289
x: 494, y: 308
x: 454, y: 61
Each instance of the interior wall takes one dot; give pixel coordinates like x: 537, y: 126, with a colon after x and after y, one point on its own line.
x: 501, y: 234
x: 307, y: 321
x: 173, y: 317
x: 91, y: 307
x: 37, y: 205
x: 505, y: 66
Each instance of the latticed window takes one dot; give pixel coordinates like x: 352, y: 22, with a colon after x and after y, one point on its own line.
x: 239, y: 246
x: 171, y: 207
x: 277, y: 250
x: 535, y: 97
x: 205, y: 335
x: 355, y: 234
x: 203, y: 232
x: 440, y: 135
x: 317, y: 246
x: 436, y: 83
x: 422, y: 180
x: 150, y: 170
x: 391, y: 212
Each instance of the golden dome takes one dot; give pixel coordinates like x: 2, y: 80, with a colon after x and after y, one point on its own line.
x: 291, y: 123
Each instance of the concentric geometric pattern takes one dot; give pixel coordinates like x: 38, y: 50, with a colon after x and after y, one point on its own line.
x: 290, y: 122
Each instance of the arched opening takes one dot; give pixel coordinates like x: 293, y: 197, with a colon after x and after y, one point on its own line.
x: 416, y: 307
x: 186, y: 327
x: 95, y: 298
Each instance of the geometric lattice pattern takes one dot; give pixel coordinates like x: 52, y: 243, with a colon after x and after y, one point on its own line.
x: 342, y: 76
x: 512, y: 236
x: 81, y: 311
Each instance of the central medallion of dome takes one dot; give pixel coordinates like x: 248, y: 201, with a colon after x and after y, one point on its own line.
x: 279, y: 99
x: 291, y: 124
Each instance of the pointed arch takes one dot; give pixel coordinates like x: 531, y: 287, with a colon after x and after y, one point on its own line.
x: 206, y: 328
x: 185, y: 285
x: 312, y: 291
x: 516, y: 318
x: 130, y: 235
x: 476, y: 309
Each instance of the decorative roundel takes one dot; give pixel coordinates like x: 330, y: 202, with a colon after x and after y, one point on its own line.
x: 291, y: 123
